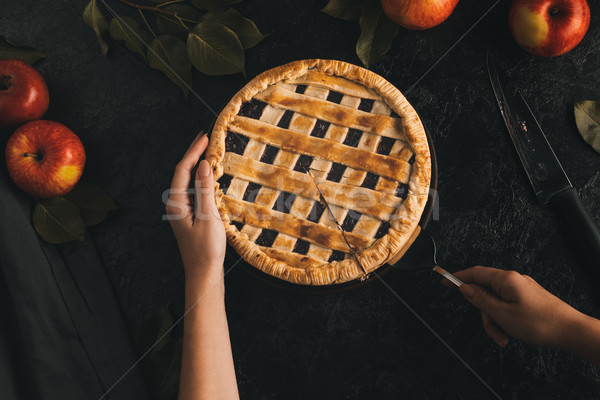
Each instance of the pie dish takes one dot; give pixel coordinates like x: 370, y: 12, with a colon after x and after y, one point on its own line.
x: 352, y: 132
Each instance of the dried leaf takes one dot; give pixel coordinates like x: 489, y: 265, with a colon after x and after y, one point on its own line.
x: 158, y: 325
x: 244, y: 28
x: 214, y: 5
x: 215, y: 49
x: 94, y: 18
x: 171, y: 26
x: 348, y: 10
x: 377, y: 33
x: 163, y: 365
x: 587, y: 117
x: 25, y: 53
x: 164, y: 369
x: 130, y: 31
x: 94, y: 203
x: 58, y: 221
x: 169, y: 54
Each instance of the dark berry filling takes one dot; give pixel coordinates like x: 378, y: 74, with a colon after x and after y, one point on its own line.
x: 252, y: 109
x: 353, y: 137
x: 301, y: 247
x: 236, y: 143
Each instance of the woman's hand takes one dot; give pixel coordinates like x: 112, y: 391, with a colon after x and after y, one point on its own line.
x: 196, y: 224
x: 207, y: 370
x: 515, y: 305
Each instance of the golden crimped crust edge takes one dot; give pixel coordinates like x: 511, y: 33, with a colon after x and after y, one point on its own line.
x: 405, y: 219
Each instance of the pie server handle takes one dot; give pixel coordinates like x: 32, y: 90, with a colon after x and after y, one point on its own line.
x: 580, y: 231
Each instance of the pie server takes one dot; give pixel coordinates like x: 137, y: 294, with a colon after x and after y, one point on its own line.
x: 419, y: 254
x: 549, y: 181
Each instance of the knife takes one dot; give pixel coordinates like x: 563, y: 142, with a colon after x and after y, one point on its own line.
x: 549, y: 181
x: 326, y: 205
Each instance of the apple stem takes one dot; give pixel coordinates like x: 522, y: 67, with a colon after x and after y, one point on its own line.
x: 5, y: 82
x: 554, y: 11
x: 37, y: 156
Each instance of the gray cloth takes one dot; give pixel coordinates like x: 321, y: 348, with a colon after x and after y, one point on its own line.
x: 62, y: 334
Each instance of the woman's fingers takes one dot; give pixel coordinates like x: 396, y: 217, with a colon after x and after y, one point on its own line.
x: 447, y: 283
x: 482, y: 298
x: 178, y: 195
x: 493, y: 330
x: 205, y: 192
x: 482, y: 276
x: 503, y: 283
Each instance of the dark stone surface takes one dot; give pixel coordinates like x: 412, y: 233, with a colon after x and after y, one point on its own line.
x: 363, y: 343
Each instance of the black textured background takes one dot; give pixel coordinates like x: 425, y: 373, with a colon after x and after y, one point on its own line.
x: 364, y: 343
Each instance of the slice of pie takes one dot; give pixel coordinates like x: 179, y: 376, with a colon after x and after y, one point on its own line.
x: 360, y: 140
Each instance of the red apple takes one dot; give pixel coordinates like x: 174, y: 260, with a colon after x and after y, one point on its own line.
x: 23, y: 93
x: 549, y: 27
x: 45, y: 158
x: 418, y: 14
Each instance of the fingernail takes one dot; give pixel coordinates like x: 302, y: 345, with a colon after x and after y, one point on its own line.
x: 467, y: 290
x: 203, y: 168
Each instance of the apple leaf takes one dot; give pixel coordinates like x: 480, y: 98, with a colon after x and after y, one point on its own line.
x: 162, y: 365
x: 93, y: 203
x: 94, y: 18
x: 171, y: 26
x: 215, y: 49
x: 348, y: 10
x: 168, y: 54
x: 131, y: 32
x: 244, y: 28
x: 25, y: 53
x: 587, y: 117
x: 158, y: 325
x: 377, y: 33
x: 164, y: 369
x: 58, y: 220
x: 214, y: 5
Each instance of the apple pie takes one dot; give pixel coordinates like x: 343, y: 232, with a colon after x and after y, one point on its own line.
x: 311, y: 143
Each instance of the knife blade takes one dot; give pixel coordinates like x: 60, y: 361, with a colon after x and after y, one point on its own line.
x: 326, y: 205
x: 547, y: 177
x: 543, y: 169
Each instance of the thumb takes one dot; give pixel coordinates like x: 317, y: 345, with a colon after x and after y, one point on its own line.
x: 481, y: 298
x: 205, y: 191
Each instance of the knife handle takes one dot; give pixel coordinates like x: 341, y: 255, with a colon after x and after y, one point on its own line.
x: 580, y: 232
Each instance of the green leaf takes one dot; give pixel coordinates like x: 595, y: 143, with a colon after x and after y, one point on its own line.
x: 377, y: 33
x: 215, y: 49
x: 94, y: 204
x: 171, y: 26
x: 348, y: 10
x: 245, y: 29
x: 94, y: 18
x: 587, y: 117
x: 25, y: 53
x: 169, y: 54
x: 213, y: 5
x: 158, y: 325
x: 58, y: 221
x: 130, y: 31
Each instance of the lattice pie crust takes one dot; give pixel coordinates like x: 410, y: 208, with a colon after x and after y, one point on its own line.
x: 361, y: 140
